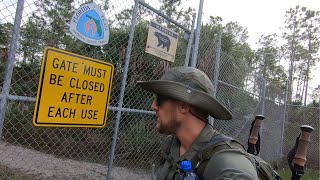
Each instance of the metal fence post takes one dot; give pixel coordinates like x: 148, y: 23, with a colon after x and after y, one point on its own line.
x: 263, y: 96
x: 284, y: 119
x: 10, y: 62
x: 216, y: 71
x: 197, y: 38
x: 186, y: 62
x: 263, y: 102
x: 123, y: 85
x: 217, y: 65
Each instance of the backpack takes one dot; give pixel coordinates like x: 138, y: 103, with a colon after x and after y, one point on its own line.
x: 221, y: 142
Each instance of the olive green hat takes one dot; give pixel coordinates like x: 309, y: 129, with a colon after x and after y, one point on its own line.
x: 189, y: 85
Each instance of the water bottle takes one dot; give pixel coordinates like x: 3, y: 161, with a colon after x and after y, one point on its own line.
x: 186, y: 171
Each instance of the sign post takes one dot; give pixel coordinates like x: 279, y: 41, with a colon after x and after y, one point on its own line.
x: 73, y: 91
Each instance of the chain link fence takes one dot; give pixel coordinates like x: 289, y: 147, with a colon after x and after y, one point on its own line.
x: 81, y: 153
x: 297, y: 116
x: 128, y: 142
x: 241, y: 89
x: 246, y: 93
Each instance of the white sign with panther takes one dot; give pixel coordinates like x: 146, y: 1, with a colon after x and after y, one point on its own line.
x: 162, y: 42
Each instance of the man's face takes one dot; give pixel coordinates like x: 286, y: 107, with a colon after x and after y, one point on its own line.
x: 166, y: 113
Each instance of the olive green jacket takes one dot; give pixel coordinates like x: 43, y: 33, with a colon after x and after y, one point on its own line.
x: 224, y: 165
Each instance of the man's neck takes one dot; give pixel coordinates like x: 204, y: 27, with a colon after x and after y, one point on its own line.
x: 188, y: 132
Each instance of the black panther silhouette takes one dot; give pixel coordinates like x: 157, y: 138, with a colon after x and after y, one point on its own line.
x: 163, y: 40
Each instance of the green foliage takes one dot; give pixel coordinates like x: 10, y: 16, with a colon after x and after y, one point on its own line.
x: 310, y: 174
x: 301, y: 34
x: 302, y: 114
x: 136, y: 135
x: 5, y: 34
x: 297, y: 116
x: 139, y: 139
x: 267, y: 59
x: 172, y: 9
x: 24, y: 79
x: 48, y: 26
x: 77, y: 143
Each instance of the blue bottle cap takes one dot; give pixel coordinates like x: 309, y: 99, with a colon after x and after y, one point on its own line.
x: 185, y: 166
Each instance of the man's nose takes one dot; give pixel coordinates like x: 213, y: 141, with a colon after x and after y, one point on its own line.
x: 154, y: 106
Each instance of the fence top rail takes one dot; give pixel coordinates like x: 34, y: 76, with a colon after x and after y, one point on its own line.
x: 164, y: 16
x: 311, y: 107
x: 235, y: 87
x: 250, y: 93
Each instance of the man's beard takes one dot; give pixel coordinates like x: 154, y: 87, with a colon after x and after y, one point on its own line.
x: 169, y: 128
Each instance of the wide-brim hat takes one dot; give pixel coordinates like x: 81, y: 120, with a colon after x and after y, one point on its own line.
x: 189, y: 85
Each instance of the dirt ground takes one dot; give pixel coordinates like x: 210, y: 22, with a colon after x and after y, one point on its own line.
x: 47, y: 166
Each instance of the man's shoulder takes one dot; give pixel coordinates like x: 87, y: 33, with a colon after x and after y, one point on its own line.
x: 230, y: 163
x: 227, y: 158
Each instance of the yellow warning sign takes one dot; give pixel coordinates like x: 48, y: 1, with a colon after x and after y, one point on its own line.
x: 73, y: 91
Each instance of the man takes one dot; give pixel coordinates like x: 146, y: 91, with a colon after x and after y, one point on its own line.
x: 183, y: 102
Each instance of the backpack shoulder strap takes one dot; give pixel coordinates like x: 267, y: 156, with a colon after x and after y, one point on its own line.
x: 221, y: 142
x: 217, y: 143
x: 214, y: 141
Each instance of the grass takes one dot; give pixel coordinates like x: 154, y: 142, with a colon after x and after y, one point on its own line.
x: 10, y: 174
x: 310, y: 174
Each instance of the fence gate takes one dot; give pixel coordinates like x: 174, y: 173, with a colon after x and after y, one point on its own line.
x: 29, y: 152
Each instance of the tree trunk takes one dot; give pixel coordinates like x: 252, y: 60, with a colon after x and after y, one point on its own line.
x: 290, y: 80
x: 303, y: 88
x: 308, y: 65
x: 298, y: 89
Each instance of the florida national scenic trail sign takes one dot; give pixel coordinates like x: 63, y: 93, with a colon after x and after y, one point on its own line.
x: 162, y: 42
x: 90, y: 25
x: 73, y: 91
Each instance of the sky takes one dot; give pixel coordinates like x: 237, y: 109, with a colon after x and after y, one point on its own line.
x: 259, y: 17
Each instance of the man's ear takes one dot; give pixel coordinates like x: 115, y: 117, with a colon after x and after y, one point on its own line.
x: 184, y: 107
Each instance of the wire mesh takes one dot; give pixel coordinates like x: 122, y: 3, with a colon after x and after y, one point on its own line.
x: 302, y: 115
x: 142, y: 148
x: 29, y: 152
x: 81, y: 153
x: 241, y: 90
